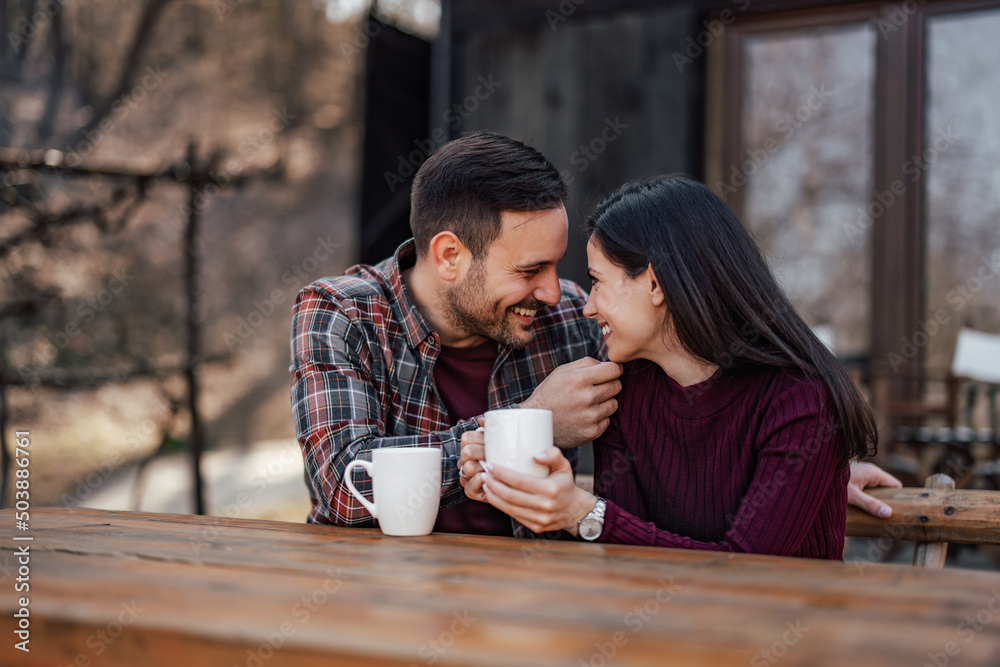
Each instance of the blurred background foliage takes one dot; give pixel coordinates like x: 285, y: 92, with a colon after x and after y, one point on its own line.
x: 92, y: 304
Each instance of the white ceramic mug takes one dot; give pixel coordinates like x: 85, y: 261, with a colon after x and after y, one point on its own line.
x: 514, y: 436
x: 406, y: 487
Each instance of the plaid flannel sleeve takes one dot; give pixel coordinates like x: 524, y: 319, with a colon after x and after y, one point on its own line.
x: 338, y: 413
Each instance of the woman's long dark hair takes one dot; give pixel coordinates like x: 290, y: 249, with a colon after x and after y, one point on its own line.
x: 724, y: 303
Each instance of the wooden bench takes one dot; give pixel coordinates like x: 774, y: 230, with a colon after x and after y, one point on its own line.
x: 931, y: 517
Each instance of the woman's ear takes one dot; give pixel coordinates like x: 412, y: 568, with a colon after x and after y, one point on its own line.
x: 655, y: 290
x: 448, y: 254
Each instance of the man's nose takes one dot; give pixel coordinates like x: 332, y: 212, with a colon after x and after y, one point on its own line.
x: 548, y: 291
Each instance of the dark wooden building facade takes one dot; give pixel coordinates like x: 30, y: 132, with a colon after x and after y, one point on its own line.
x: 830, y: 127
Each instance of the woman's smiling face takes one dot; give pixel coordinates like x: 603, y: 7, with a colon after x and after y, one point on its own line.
x: 630, y: 311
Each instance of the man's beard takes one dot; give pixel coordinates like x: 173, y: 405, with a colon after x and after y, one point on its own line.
x: 471, y: 309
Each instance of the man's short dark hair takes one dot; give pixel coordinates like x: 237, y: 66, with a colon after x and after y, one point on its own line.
x: 468, y: 182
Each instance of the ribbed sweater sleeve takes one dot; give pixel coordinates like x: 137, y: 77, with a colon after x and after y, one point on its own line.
x: 792, y: 504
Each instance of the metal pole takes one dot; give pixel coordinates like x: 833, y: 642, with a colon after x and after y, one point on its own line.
x: 191, y: 289
x: 4, y: 454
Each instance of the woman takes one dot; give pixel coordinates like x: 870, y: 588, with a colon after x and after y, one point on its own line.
x: 735, y: 424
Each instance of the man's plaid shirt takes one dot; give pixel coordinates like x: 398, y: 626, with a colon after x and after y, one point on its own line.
x: 362, y: 368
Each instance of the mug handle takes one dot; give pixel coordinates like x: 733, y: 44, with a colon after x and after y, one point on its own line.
x: 482, y: 430
x: 367, y: 465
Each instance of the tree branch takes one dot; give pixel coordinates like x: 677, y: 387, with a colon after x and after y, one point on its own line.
x: 27, y: 307
x: 47, y: 222
x: 146, y: 24
x: 59, y: 51
x: 88, y: 378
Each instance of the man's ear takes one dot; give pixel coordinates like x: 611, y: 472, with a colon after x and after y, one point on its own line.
x: 449, y: 255
x: 655, y: 290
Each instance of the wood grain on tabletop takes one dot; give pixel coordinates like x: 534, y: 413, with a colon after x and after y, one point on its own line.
x: 211, y: 591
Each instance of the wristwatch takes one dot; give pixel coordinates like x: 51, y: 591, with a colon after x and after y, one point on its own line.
x: 592, y: 525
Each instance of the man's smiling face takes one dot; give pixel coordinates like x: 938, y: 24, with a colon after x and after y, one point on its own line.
x: 502, y: 291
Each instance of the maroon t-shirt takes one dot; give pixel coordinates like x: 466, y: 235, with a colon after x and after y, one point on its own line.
x: 462, y: 376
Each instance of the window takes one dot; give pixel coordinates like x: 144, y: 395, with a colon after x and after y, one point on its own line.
x: 880, y: 208
x: 807, y: 133
x: 962, y: 145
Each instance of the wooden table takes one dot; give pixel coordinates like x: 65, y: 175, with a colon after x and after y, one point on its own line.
x: 145, y: 590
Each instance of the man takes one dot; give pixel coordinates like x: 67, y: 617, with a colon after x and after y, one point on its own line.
x: 467, y: 316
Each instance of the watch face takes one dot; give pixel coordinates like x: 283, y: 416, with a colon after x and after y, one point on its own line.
x: 590, y: 529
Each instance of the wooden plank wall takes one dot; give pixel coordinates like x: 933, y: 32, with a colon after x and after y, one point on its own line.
x: 560, y: 88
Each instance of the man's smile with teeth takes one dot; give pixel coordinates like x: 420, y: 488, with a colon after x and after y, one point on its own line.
x: 525, y: 312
